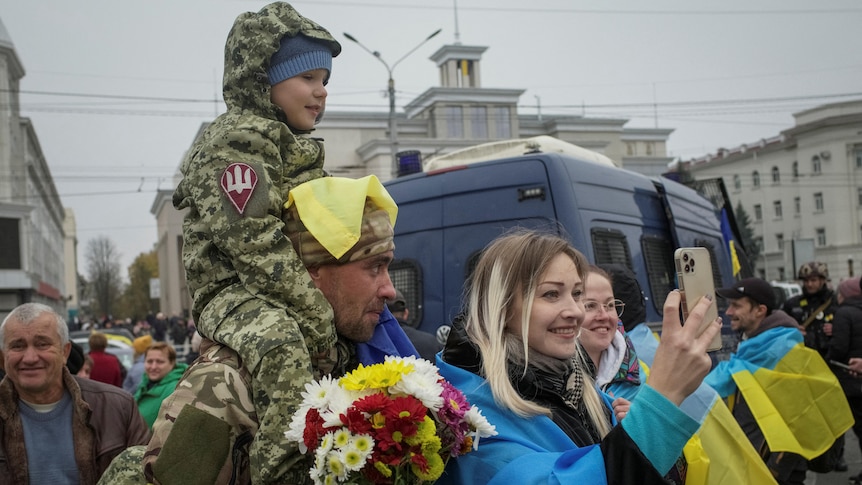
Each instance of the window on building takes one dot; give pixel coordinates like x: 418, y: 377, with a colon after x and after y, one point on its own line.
x: 503, y: 122
x: 782, y: 275
x: 821, y: 236
x: 859, y: 196
x: 777, y: 206
x: 779, y: 241
x: 454, y: 122
x: 857, y: 154
x: 758, y: 212
x: 797, y: 205
x: 776, y: 175
x: 816, y: 166
x: 737, y: 182
x: 649, y: 148
x: 630, y: 149
x: 818, y: 202
x: 755, y: 179
x: 10, y: 244
x: 479, y: 122
x: 795, y: 170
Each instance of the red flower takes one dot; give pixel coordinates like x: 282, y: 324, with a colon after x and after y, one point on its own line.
x: 356, y: 421
x: 374, y: 403
x: 406, y: 408
x: 313, y: 429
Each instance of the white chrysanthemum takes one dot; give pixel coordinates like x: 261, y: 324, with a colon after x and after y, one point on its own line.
x: 335, y: 465
x: 479, y: 425
x: 352, y: 458
x: 318, y: 394
x: 341, y: 438
x: 326, y: 443
x: 339, y: 402
x: 316, y: 475
x: 423, y: 383
x: 297, y: 426
x: 363, y: 443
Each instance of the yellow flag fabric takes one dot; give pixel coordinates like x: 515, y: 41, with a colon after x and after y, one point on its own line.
x: 720, y: 453
x: 799, y: 405
x: 331, y: 208
x: 734, y: 258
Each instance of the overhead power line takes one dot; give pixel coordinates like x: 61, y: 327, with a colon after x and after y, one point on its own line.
x: 544, y: 10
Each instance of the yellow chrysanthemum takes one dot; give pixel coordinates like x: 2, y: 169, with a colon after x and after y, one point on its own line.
x: 383, y: 469
x: 435, y: 468
x: 377, y: 376
x: 426, y: 436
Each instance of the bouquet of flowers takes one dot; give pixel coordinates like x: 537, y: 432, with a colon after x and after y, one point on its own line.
x: 397, y: 422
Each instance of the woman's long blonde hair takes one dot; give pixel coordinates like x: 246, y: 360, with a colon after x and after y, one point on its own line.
x: 509, y: 269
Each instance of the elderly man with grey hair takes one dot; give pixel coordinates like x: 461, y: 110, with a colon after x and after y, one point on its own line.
x: 56, y: 428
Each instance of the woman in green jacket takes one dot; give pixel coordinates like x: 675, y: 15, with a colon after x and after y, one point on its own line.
x: 161, y: 374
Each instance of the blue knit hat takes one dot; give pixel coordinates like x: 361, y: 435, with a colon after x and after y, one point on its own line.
x: 298, y: 55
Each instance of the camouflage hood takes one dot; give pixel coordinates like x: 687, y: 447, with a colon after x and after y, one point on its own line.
x: 252, y: 41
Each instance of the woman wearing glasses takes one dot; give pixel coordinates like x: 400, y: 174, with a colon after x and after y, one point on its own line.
x: 515, y: 356
x: 612, y: 356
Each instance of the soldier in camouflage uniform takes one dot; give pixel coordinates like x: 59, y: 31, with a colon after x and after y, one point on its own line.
x: 815, y: 307
x: 251, y: 292
x: 204, y: 429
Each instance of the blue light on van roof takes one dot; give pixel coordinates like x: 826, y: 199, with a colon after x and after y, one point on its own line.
x: 531, y: 193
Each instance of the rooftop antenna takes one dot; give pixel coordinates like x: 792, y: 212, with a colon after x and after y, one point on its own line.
x: 457, y: 31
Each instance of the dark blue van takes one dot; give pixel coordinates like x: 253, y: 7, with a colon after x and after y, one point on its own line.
x: 612, y: 215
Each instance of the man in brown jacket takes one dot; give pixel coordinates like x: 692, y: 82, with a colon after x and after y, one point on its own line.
x: 56, y: 428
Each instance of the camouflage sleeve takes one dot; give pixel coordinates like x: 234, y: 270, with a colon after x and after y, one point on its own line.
x: 205, y: 426
x: 238, y: 184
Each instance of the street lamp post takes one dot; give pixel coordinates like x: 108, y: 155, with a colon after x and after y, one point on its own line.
x: 393, y: 124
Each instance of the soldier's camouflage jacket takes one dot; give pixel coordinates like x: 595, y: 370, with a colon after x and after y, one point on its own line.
x: 235, y: 181
x: 210, y: 420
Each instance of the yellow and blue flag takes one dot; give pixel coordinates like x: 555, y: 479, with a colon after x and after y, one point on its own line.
x: 719, y: 453
x: 793, y: 395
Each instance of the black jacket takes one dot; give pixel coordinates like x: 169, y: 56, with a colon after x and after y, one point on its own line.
x: 847, y: 342
x: 800, y: 307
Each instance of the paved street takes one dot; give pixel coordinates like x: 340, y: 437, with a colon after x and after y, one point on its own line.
x: 854, y: 461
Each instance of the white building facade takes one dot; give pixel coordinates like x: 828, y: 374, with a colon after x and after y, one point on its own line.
x: 33, y: 265
x: 801, y: 189
x: 461, y: 113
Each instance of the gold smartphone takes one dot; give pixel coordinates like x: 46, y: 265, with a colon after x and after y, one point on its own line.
x: 694, y: 276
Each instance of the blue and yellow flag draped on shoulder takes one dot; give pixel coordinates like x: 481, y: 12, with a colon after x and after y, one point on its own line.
x: 794, y: 396
x: 719, y: 453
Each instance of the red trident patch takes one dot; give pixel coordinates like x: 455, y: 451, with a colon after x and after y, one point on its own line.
x: 238, y: 182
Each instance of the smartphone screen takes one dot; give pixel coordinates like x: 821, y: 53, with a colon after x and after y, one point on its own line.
x: 694, y: 276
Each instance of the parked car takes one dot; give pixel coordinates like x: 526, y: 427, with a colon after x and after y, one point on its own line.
x: 785, y: 291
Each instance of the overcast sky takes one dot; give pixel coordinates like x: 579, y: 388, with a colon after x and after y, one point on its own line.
x: 117, y: 89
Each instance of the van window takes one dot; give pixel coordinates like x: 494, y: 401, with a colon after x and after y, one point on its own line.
x: 658, y: 257
x: 406, y: 275
x: 610, y: 247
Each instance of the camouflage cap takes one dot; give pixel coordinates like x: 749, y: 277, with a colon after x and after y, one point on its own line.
x: 326, y: 226
x: 813, y: 268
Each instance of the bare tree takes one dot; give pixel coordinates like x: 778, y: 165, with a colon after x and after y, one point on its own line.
x: 103, y: 271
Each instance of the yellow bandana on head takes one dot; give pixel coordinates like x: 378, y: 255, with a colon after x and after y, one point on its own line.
x: 332, y: 208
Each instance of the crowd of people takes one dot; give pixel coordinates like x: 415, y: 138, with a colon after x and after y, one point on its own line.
x: 288, y: 268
